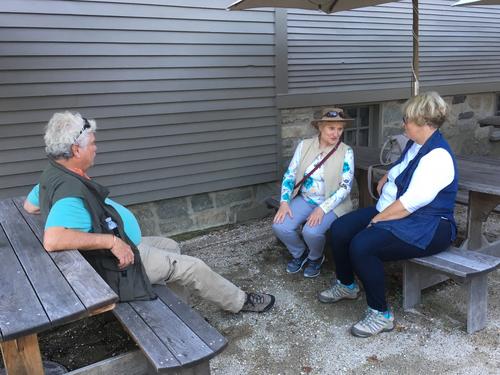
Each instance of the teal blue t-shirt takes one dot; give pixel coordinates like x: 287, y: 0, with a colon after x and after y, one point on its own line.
x: 71, y: 213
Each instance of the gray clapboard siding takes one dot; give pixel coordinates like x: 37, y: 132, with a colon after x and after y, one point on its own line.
x: 182, y: 91
x: 365, y: 54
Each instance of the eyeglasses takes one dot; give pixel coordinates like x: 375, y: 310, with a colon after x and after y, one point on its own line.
x: 334, y: 114
x: 86, y: 125
x: 405, y: 120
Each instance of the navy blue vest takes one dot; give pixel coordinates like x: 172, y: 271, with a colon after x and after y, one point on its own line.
x: 419, y: 228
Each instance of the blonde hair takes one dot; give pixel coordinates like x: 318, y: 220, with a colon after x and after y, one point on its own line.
x: 426, y: 109
x: 64, y: 130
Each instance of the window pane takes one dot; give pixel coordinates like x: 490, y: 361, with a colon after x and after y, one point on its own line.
x: 349, y: 137
x: 352, y: 112
x: 364, y: 116
x: 363, y: 137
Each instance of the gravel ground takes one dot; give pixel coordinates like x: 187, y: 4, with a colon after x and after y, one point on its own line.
x: 302, y: 336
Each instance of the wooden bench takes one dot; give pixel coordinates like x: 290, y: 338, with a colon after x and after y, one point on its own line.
x: 469, y: 268
x: 173, y: 338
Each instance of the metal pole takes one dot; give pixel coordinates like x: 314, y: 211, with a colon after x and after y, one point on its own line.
x: 415, y: 73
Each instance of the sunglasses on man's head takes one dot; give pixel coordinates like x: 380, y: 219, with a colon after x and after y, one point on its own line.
x: 334, y: 114
x: 86, y: 125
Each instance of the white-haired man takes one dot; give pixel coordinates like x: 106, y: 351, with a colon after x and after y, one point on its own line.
x: 79, y: 215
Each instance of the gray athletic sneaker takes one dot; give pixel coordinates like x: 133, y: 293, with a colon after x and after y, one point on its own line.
x: 337, y: 292
x: 373, y: 323
x: 258, y: 302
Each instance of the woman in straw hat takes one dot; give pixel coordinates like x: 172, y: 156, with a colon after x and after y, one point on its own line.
x: 315, y: 191
x: 413, y: 217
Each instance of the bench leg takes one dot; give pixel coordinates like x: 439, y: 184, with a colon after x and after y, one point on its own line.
x: 411, y: 285
x: 477, y: 302
x: 22, y: 356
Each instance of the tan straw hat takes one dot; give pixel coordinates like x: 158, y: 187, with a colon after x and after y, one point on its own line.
x: 331, y: 115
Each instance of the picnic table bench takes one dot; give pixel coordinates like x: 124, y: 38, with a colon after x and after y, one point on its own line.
x: 479, y: 181
x: 40, y: 290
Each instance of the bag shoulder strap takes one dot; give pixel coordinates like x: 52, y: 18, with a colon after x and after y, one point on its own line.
x: 298, y: 184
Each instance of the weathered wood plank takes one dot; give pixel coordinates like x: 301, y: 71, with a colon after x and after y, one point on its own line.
x: 472, y: 259
x: 132, y: 363
x: 191, y: 318
x: 56, y: 295
x: 181, y: 341
x: 477, y: 306
x: 90, y: 288
x: 411, y: 285
x: 156, y: 351
x: 20, y: 310
x: 22, y: 356
x: 135, y: 363
x: 461, y: 263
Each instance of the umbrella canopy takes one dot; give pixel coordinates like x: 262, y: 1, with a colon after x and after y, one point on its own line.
x: 327, y: 6
x: 476, y: 2
x: 332, y: 6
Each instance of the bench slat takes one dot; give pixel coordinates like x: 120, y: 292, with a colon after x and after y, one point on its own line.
x: 91, y: 289
x: 150, y: 344
x: 52, y: 289
x: 180, y: 340
x: 15, y: 291
x: 472, y: 259
x: 461, y: 263
x: 200, y: 326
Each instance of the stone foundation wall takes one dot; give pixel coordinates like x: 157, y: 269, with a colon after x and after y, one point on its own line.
x: 462, y: 129
x: 202, y: 211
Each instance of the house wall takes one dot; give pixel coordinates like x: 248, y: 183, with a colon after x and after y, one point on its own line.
x: 365, y: 55
x: 182, y: 91
x: 186, y: 94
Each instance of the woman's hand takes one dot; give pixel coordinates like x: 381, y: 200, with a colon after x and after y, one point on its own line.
x: 381, y: 184
x: 315, y: 217
x: 282, y: 212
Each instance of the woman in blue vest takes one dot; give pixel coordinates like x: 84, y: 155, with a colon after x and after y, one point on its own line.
x: 413, y: 217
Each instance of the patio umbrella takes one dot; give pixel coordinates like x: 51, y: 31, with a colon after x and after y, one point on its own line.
x: 476, y: 2
x: 332, y: 6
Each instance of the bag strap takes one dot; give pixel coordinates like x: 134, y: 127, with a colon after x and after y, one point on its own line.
x: 299, y: 184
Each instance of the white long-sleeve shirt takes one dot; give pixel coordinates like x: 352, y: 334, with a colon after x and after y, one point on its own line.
x: 434, y: 172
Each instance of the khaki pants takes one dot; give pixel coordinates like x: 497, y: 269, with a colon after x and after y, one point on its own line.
x: 164, y: 262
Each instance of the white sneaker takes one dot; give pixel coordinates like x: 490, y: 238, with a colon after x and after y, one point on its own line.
x: 337, y: 292
x: 373, y: 323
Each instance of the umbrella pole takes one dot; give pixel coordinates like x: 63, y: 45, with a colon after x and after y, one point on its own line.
x: 415, y: 67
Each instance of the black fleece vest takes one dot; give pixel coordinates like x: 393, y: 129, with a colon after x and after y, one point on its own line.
x: 57, y: 183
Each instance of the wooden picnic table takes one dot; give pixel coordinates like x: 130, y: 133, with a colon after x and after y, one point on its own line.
x: 40, y: 290
x: 478, y: 175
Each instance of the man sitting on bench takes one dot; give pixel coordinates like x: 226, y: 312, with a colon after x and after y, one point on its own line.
x: 79, y: 216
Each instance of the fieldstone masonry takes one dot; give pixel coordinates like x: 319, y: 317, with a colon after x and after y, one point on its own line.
x: 462, y: 129
x: 197, y: 212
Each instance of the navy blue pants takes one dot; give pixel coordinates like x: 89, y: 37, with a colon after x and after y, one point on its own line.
x: 360, y: 250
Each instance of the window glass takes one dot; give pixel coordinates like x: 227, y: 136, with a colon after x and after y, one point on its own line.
x: 358, y: 132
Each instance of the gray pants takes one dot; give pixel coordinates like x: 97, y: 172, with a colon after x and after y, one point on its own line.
x: 314, y: 237
x: 164, y: 263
